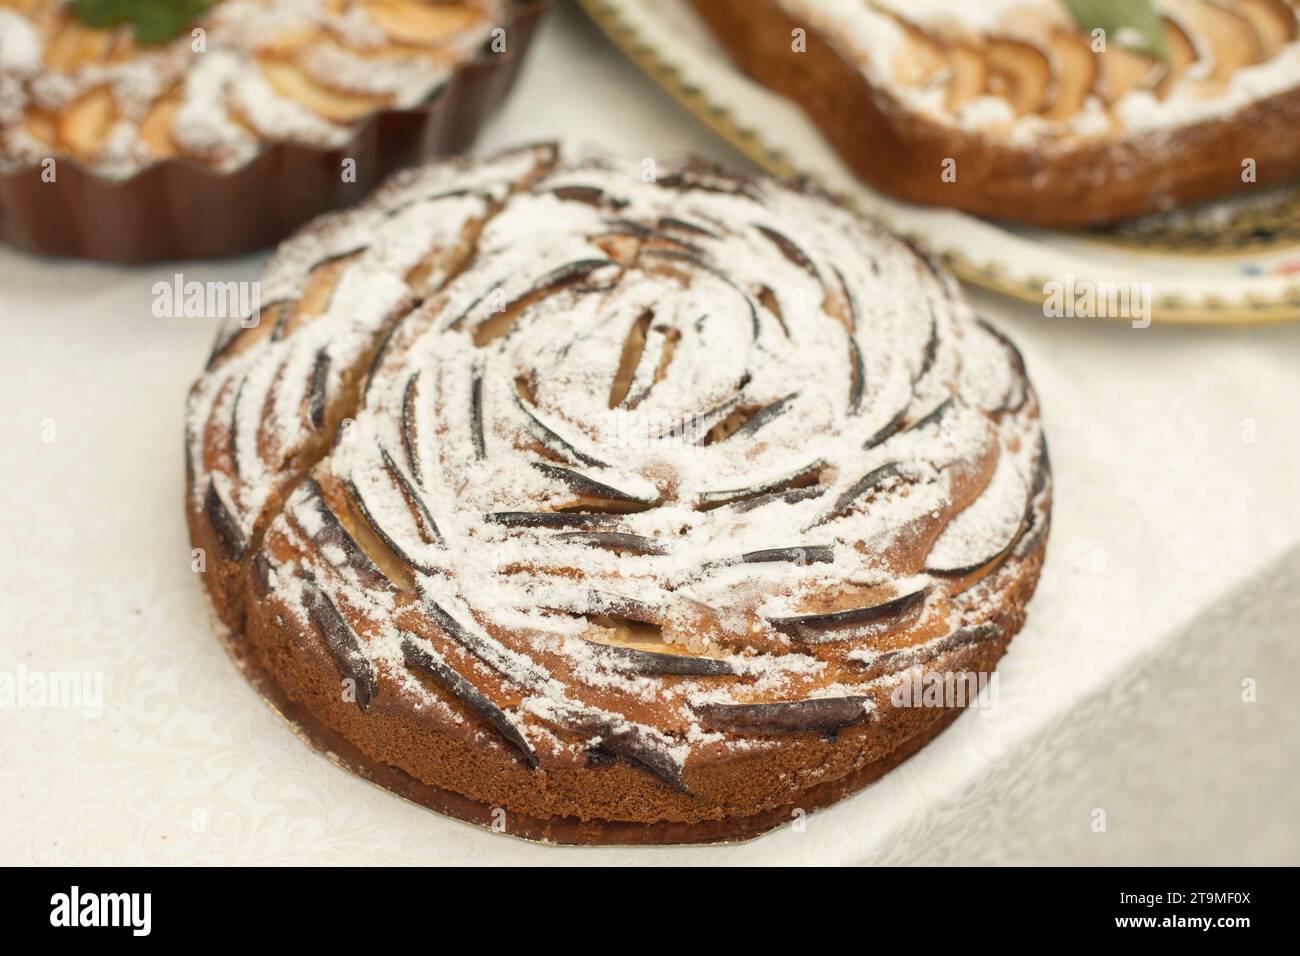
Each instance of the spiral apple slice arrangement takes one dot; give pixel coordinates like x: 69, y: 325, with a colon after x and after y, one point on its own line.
x: 600, y: 470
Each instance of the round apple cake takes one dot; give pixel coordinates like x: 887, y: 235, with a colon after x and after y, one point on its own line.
x: 603, y: 500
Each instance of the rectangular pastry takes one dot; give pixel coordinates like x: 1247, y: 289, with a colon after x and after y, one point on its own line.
x: 1011, y: 109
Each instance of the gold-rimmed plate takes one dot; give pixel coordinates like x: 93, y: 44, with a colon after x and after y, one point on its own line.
x: 1233, y: 262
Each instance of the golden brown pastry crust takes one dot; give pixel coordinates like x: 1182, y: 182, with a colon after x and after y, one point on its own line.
x: 902, y: 152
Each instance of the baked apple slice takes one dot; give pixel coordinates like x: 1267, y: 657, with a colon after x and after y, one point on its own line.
x: 444, y: 676
x: 42, y: 127
x: 293, y: 84
x: 341, y: 642
x: 638, y: 647
x: 73, y: 46
x: 1231, y: 38
x: 1019, y: 73
x: 1182, y: 55
x: 1074, y: 71
x: 420, y: 24
x: 156, y: 128
x: 822, y: 627
x: 970, y: 75
x: 85, y: 124
x: 824, y: 714
x: 1273, y: 21
x: 923, y: 61
x: 1123, y: 71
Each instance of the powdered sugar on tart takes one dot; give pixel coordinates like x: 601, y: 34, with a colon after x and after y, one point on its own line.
x: 263, y: 70
x: 1022, y: 70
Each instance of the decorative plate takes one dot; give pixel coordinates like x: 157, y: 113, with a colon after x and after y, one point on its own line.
x: 1232, y: 262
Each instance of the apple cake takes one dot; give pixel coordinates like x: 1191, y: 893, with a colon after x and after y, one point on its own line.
x: 607, y: 502
x: 1010, y: 109
x: 213, y: 87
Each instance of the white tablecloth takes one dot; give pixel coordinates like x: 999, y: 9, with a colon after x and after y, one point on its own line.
x: 1173, y: 576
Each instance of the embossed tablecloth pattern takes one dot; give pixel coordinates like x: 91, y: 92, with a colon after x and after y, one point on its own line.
x: 1173, y: 575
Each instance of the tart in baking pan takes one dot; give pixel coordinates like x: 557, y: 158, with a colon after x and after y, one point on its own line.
x: 610, y: 503
x: 1011, y: 109
x: 126, y: 134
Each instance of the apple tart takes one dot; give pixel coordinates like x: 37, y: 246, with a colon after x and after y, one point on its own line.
x: 240, y: 113
x: 1010, y: 109
x: 605, y: 504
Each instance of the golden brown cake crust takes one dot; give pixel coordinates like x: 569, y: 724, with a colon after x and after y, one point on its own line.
x: 485, y: 678
x: 902, y: 152
x: 742, y: 798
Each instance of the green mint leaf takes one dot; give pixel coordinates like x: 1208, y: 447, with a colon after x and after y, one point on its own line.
x: 100, y: 13
x: 1135, y: 21
x: 154, y: 21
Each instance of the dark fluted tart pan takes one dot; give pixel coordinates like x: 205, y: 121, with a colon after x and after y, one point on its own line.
x: 181, y: 209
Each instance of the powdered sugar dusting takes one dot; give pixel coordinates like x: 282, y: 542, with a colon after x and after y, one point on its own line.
x: 640, y: 446
x: 330, y: 67
x: 875, y: 35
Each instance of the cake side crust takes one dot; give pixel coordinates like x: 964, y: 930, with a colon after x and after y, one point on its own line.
x: 462, y: 771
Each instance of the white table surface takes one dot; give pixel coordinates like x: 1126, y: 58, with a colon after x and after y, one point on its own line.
x: 1173, y: 574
